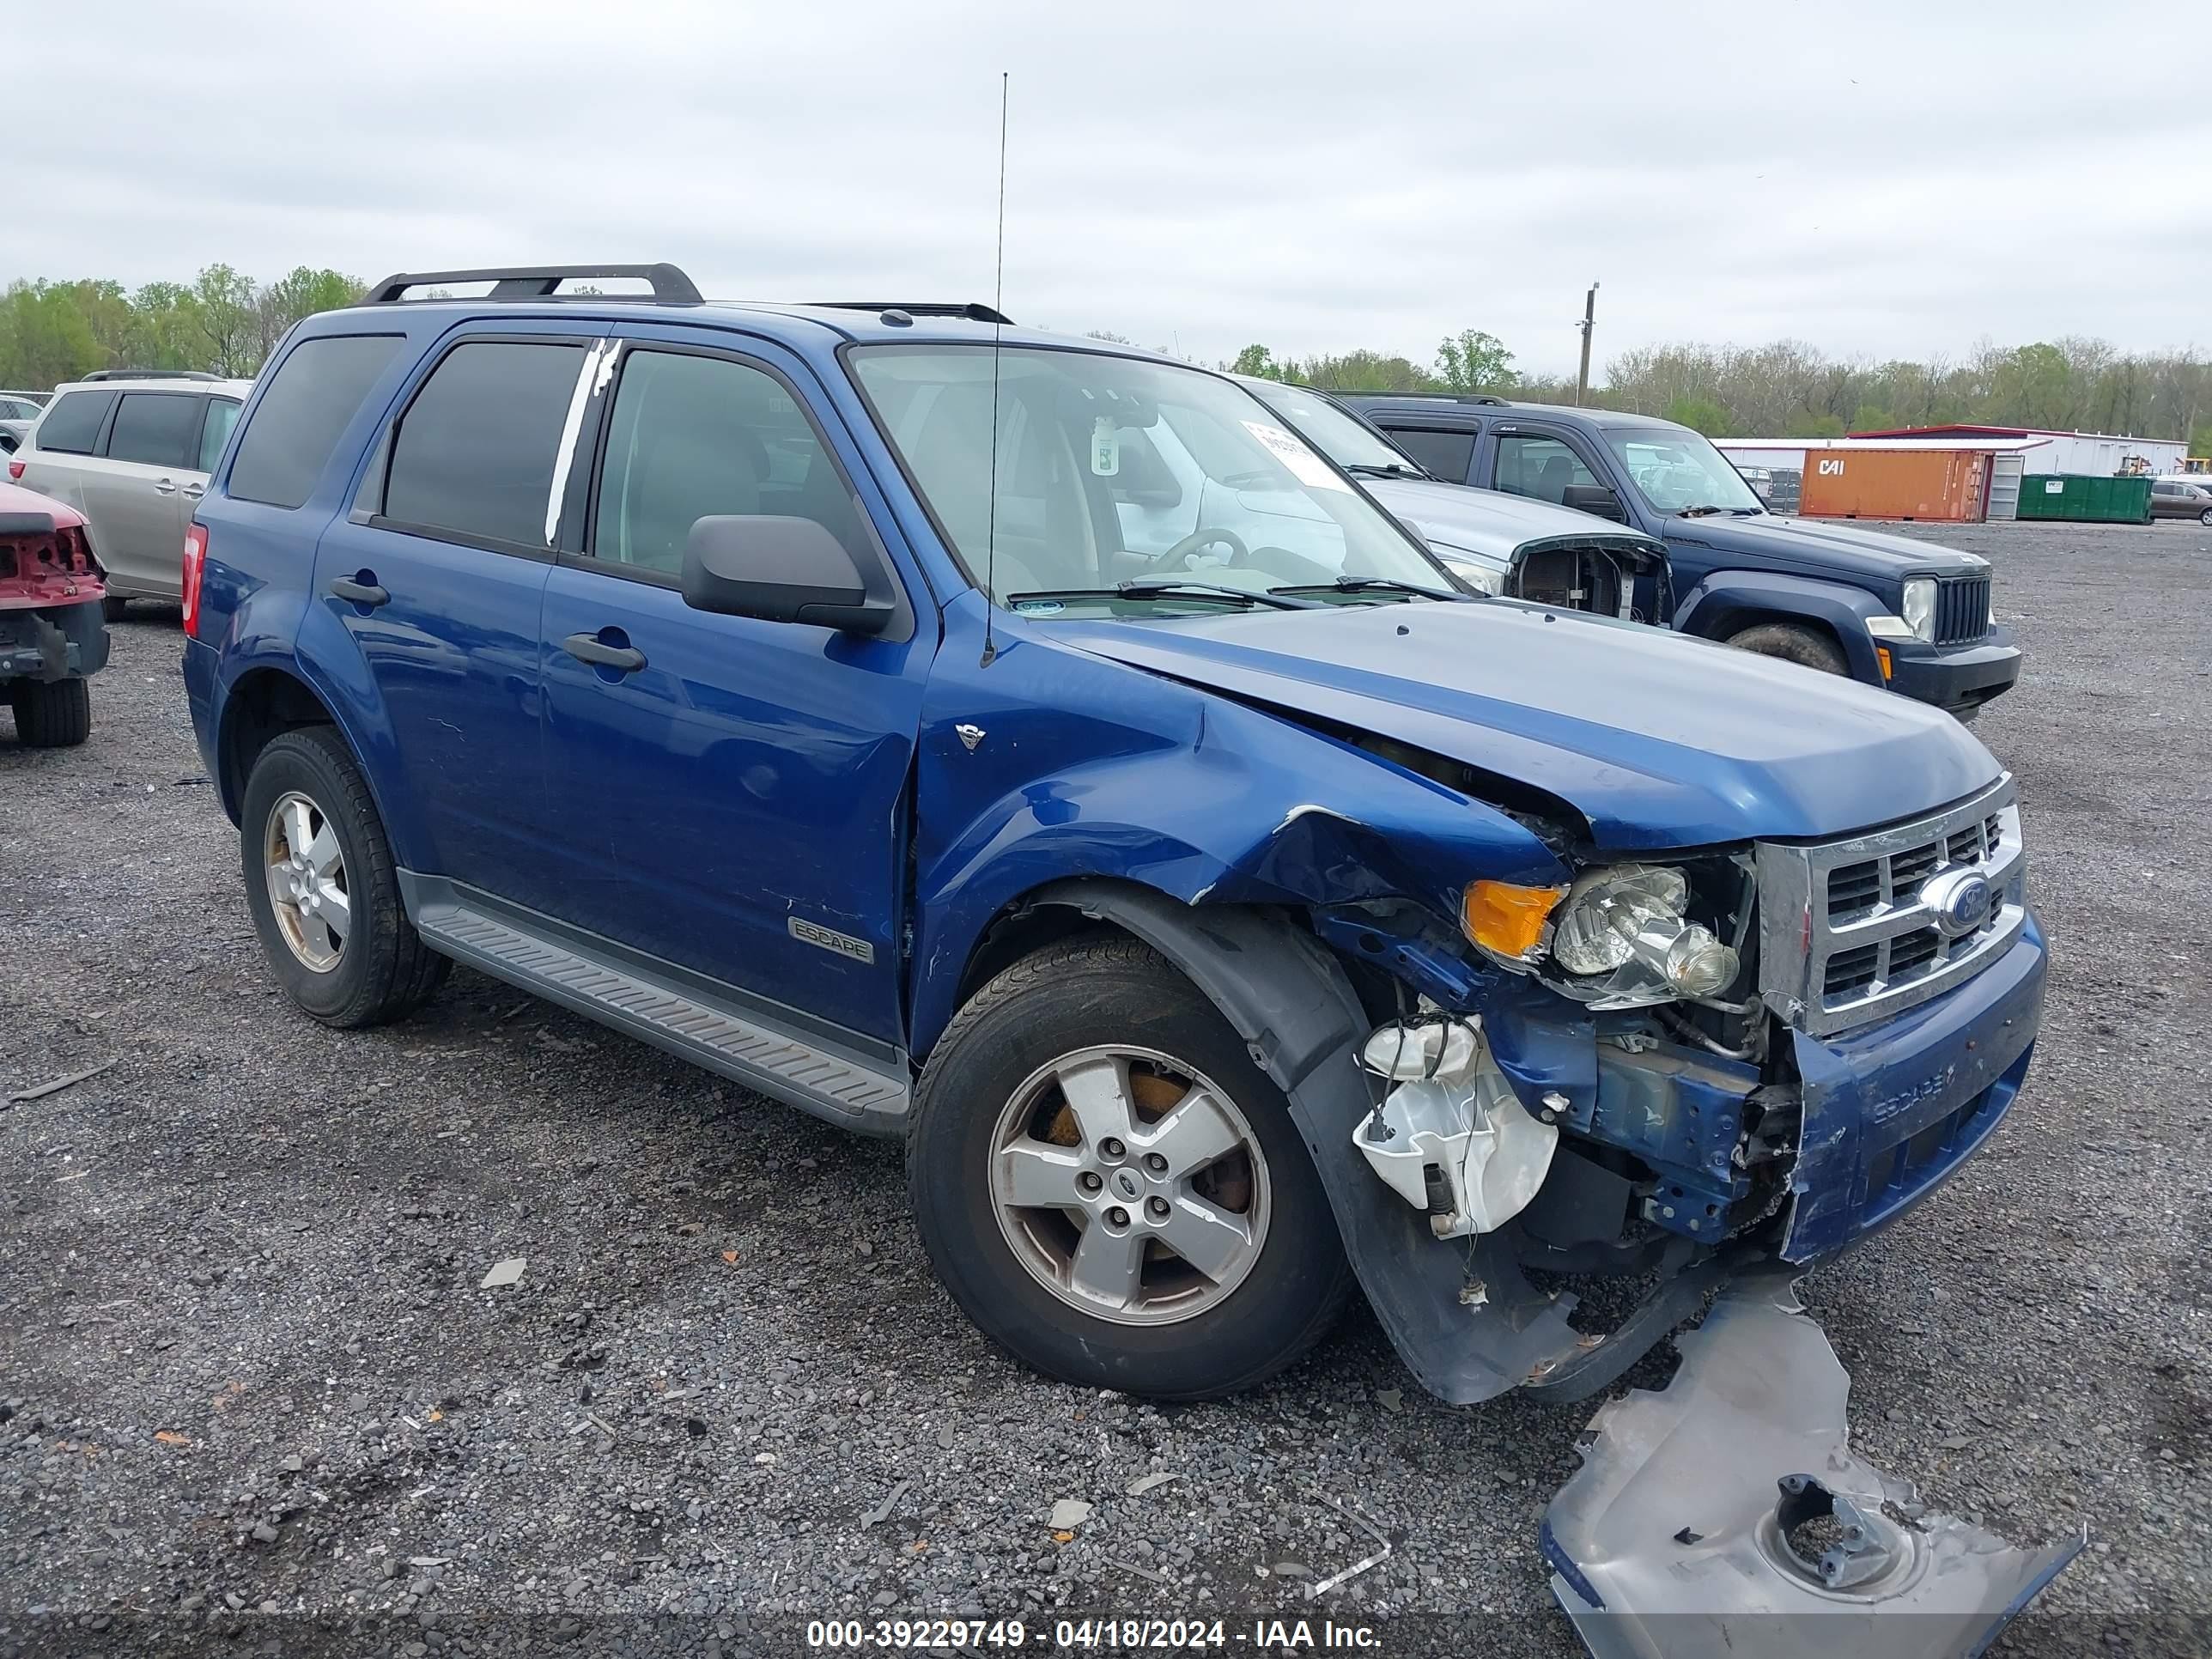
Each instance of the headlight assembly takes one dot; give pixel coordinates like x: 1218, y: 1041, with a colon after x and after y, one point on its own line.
x: 1623, y: 933
x: 1919, y: 607
x: 1480, y: 578
x: 1619, y: 937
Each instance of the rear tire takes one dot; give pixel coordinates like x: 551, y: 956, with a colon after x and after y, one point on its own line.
x: 114, y: 607
x: 339, y: 941
x: 1274, y: 1278
x: 51, y: 713
x: 1808, y: 647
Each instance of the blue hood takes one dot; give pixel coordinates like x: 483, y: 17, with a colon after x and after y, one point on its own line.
x: 1824, y: 547
x: 1658, y: 740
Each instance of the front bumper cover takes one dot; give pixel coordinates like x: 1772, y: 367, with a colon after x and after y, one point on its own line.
x: 1675, y: 1536
x: 1959, y: 678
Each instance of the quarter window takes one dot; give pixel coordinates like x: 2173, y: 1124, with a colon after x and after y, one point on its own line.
x: 72, y: 425
x: 303, y: 412
x: 693, y: 437
x: 221, y: 416
x: 153, y: 428
x: 1542, y: 468
x: 475, y: 451
x: 1445, y: 455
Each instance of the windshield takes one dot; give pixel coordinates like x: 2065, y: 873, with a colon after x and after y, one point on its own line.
x: 1337, y: 436
x: 1675, y: 470
x: 1112, y: 469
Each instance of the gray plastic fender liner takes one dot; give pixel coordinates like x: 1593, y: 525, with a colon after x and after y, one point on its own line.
x: 1727, y: 1515
x: 1461, y: 1316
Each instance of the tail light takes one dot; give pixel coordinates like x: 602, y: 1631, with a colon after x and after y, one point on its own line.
x: 195, y: 565
x: 16, y: 469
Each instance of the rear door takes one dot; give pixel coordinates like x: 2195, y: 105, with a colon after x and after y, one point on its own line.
x: 134, y: 490
x: 437, y: 573
x: 729, y: 794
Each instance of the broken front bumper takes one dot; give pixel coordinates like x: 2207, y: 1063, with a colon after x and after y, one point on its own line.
x: 1727, y: 1515
x: 1892, y: 1109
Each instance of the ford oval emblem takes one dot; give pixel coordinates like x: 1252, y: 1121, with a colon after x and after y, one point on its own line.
x: 1960, y: 900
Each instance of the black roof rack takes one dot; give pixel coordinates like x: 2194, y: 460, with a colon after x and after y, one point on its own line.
x: 670, y: 287
x: 973, y: 310
x: 149, y: 375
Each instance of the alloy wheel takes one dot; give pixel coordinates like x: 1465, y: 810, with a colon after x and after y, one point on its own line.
x: 307, y: 875
x: 1129, y: 1186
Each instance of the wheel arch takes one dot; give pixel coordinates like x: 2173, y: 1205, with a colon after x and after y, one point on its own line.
x: 1279, y: 985
x: 1727, y: 602
x: 1289, y: 999
x: 271, y: 696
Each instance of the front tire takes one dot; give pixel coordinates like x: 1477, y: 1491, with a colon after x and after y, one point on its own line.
x: 2205, y: 518
x: 321, y: 882
x: 51, y: 713
x: 114, y: 607
x: 1111, y: 1188
x: 1808, y: 647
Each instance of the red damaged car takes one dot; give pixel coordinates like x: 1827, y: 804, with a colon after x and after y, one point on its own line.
x: 52, y: 633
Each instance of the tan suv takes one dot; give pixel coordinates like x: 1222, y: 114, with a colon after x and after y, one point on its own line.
x: 133, y: 456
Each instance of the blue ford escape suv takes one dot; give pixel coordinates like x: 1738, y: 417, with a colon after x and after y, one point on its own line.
x: 824, y: 694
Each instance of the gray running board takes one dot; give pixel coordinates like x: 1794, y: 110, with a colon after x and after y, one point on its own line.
x: 817, y: 1074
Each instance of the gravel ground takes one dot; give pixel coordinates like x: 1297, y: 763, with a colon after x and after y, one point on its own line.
x: 248, y: 1370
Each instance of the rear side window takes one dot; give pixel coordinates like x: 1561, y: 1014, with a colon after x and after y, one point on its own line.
x: 1446, y: 454
x: 155, y: 429
x: 221, y: 416
x: 302, y: 412
x: 72, y: 424
x: 475, y: 452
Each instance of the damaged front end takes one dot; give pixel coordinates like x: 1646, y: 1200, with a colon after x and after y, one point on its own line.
x: 1669, y: 1069
x: 1727, y: 1514
x: 1703, y: 1073
x: 52, y: 626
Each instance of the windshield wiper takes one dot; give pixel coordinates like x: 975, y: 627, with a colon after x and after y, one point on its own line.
x: 1383, y: 470
x: 1370, y: 585
x: 1705, y: 511
x: 1166, y: 587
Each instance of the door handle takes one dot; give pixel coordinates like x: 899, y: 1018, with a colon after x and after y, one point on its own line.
x: 367, y: 594
x: 591, y: 648
x: 164, y: 486
x: 193, y: 492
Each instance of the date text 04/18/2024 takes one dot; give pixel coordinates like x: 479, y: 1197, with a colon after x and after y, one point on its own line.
x: 1127, y: 1634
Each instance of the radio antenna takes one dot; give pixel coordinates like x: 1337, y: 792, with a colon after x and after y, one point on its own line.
x: 998, y: 321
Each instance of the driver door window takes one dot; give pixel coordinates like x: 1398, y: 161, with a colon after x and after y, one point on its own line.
x: 1541, y: 468
x: 693, y: 437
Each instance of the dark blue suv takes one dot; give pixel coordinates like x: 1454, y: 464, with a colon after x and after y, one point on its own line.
x: 847, y: 699
x: 1884, y: 609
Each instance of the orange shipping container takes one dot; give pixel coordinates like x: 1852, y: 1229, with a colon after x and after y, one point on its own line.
x: 1942, y: 485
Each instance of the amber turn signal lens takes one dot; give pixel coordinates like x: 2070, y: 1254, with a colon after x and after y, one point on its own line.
x: 1505, y: 920
x: 1882, y: 655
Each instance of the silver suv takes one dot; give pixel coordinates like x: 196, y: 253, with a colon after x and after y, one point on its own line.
x: 133, y: 456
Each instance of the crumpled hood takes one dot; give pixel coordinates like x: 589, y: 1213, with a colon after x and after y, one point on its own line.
x: 1492, y: 524
x: 1826, y: 546
x: 1660, y: 741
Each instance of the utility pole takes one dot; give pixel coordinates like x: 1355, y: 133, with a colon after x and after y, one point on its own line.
x: 1588, y: 324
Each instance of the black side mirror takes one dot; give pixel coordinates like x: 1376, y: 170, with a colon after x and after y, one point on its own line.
x: 1595, y: 498
x: 778, y: 569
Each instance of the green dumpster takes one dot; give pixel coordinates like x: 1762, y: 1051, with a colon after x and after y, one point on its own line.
x: 2085, y: 498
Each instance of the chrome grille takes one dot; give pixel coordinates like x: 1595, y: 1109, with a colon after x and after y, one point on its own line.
x: 1962, y: 610
x: 1845, y: 935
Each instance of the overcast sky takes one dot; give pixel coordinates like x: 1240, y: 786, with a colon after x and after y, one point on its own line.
x: 1894, y: 180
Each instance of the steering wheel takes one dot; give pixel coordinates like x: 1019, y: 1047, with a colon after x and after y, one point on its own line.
x: 1204, y: 537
